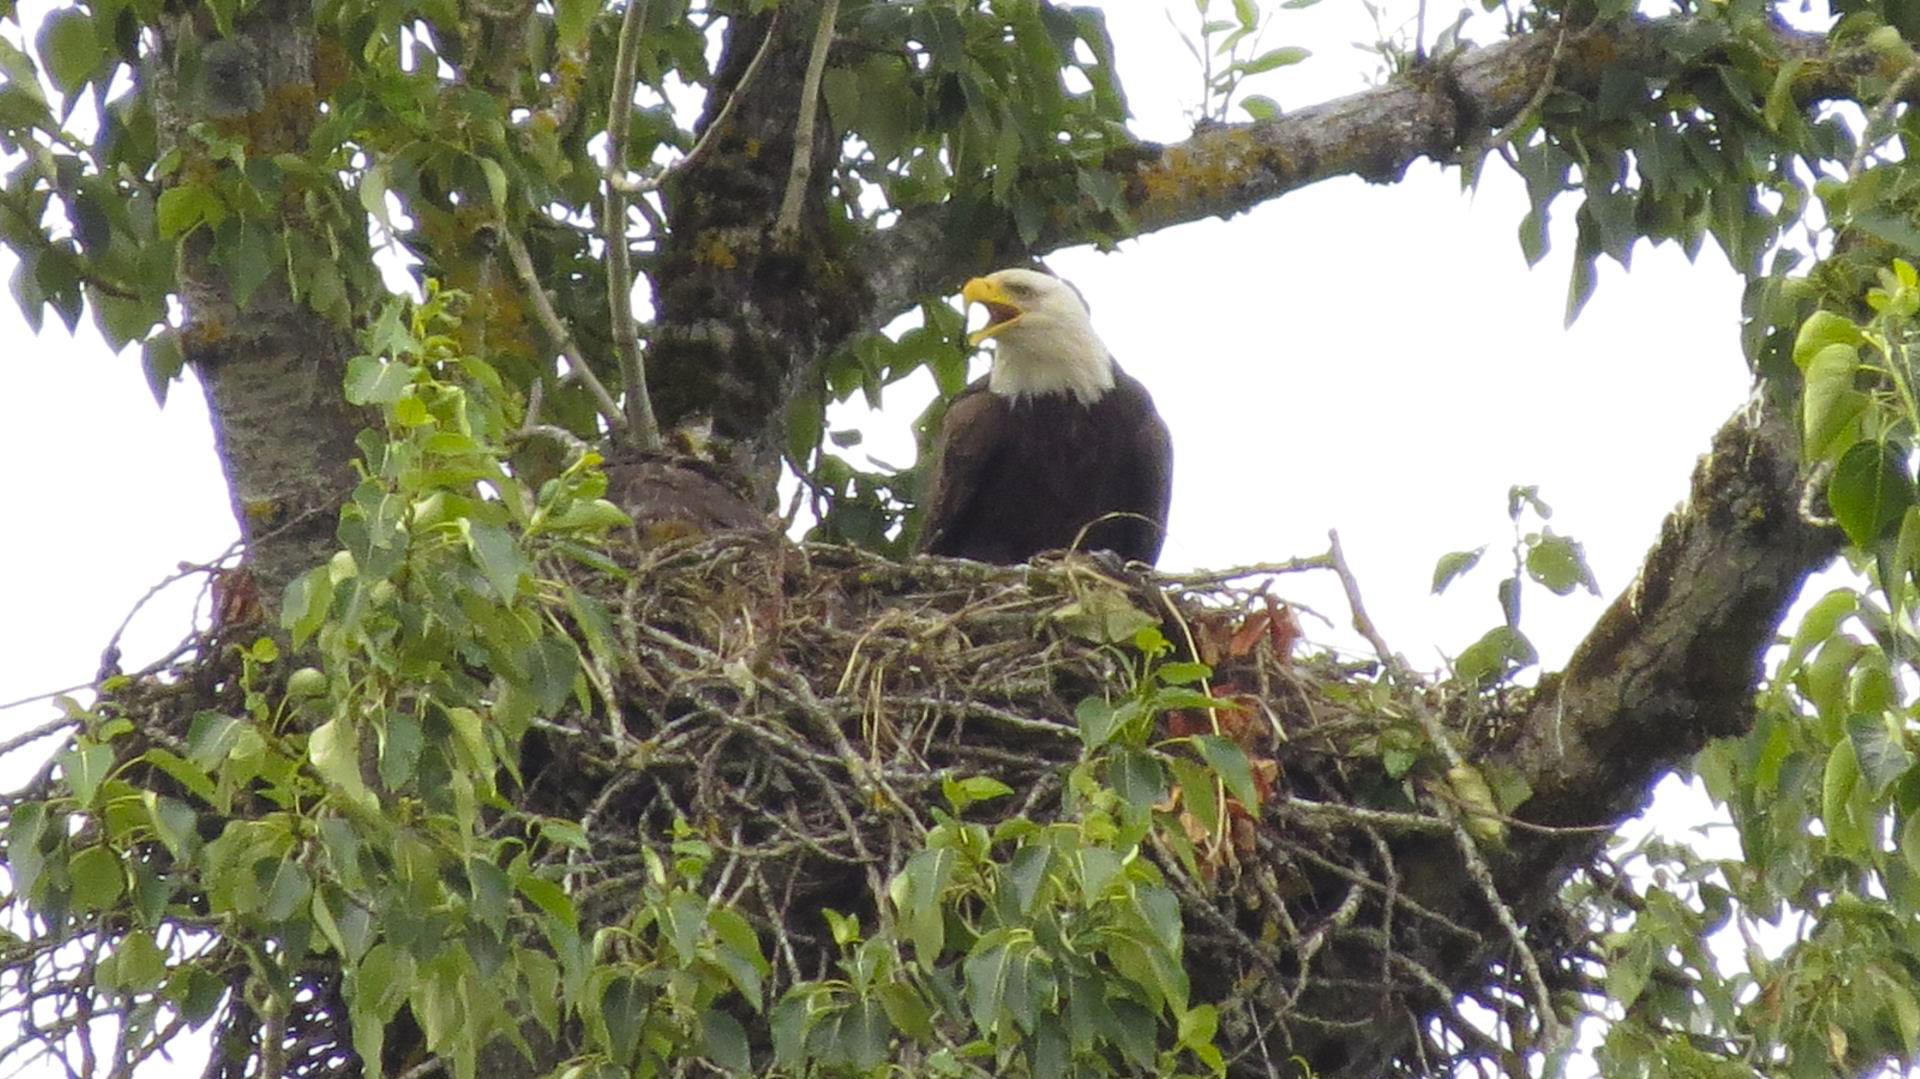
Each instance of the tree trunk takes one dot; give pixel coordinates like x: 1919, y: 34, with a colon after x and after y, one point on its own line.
x: 272, y: 366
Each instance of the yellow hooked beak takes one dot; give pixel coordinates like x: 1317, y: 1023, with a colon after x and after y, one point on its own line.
x: 1002, y: 311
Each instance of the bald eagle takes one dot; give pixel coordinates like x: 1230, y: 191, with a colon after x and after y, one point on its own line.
x: 1056, y: 447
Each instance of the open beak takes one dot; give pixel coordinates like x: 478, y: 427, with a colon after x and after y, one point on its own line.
x: 1001, y: 310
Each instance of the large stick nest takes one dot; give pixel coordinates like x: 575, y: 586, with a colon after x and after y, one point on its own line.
x: 801, y: 706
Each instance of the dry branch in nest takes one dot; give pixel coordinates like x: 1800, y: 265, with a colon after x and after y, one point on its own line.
x: 800, y: 707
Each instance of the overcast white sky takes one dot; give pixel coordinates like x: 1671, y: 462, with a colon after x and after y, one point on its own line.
x: 1377, y: 359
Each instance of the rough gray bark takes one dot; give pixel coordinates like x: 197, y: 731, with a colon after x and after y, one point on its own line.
x: 271, y: 367
x: 743, y: 313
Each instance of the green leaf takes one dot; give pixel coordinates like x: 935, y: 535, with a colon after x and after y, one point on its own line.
x: 183, y: 772
x: 211, y: 738
x: 961, y: 793
x: 139, y: 964
x: 289, y: 892
x: 499, y: 558
x: 161, y: 360
x: 1489, y: 656
x: 623, y: 1007
x: 1870, y: 490
x: 906, y: 1008
x: 1910, y: 842
x: 792, y: 1018
x: 1283, y: 56
x: 70, y: 47
x: 917, y: 894
x: 549, y: 897
x: 244, y: 253
x: 173, y: 821
x: 724, y: 1041
x: 1098, y: 868
x: 496, y: 181
x: 1197, y: 792
x: 1104, y: 615
x: 1096, y: 720
x: 373, y: 194
x: 1260, y: 106
x: 186, y: 207
x: 1229, y: 762
x: 1830, y: 404
x: 97, y: 877
x: 1453, y: 565
x: 84, y: 770
x: 1137, y: 777
x: 1837, y: 787
x: 1818, y: 624
x: 1629, y: 969
x: 1560, y: 564
x: 1821, y: 330
x: 304, y: 609
x: 1879, y: 750
x: 1026, y: 873
x: 373, y: 381
x: 1894, y: 228
x: 334, y: 751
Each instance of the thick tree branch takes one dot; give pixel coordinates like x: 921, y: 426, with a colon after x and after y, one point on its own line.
x: 1669, y: 666
x: 1436, y: 111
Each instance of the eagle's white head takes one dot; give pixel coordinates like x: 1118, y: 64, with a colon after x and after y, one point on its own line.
x: 1046, y: 342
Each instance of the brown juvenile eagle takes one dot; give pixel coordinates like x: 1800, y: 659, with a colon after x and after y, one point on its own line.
x: 1056, y: 448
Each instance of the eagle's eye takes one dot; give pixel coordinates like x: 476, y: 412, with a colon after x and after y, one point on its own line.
x: 1020, y: 290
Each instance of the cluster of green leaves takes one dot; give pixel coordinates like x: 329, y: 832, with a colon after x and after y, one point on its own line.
x: 1716, y: 154
x: 967, y: 102
x: 351, y: 815
x: 438, y: 580
x: 1557, y: 563
x: 78, y: 215
x: 1234, y: 46
x: 1051, y: 948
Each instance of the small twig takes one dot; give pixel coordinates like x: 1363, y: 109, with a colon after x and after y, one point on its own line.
x: 642, y: 425
x: 720, y: 118
x: 273, y: 1036
x: 1222, y: 576
x: 110, y: 655
x: 557, y: 330
x: 34, y: 734
x: 1380, y: 818
x: 1362, y: 624
x: 423, y: 1069
x: 1317, y: 939
x: 801, y: 174
x: 1529, y: 966
x: 658, y: 177
x: 1532, y: 107
x: 1879, y: 115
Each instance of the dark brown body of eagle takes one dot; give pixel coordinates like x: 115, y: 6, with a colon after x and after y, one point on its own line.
x: 1016, y: 475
